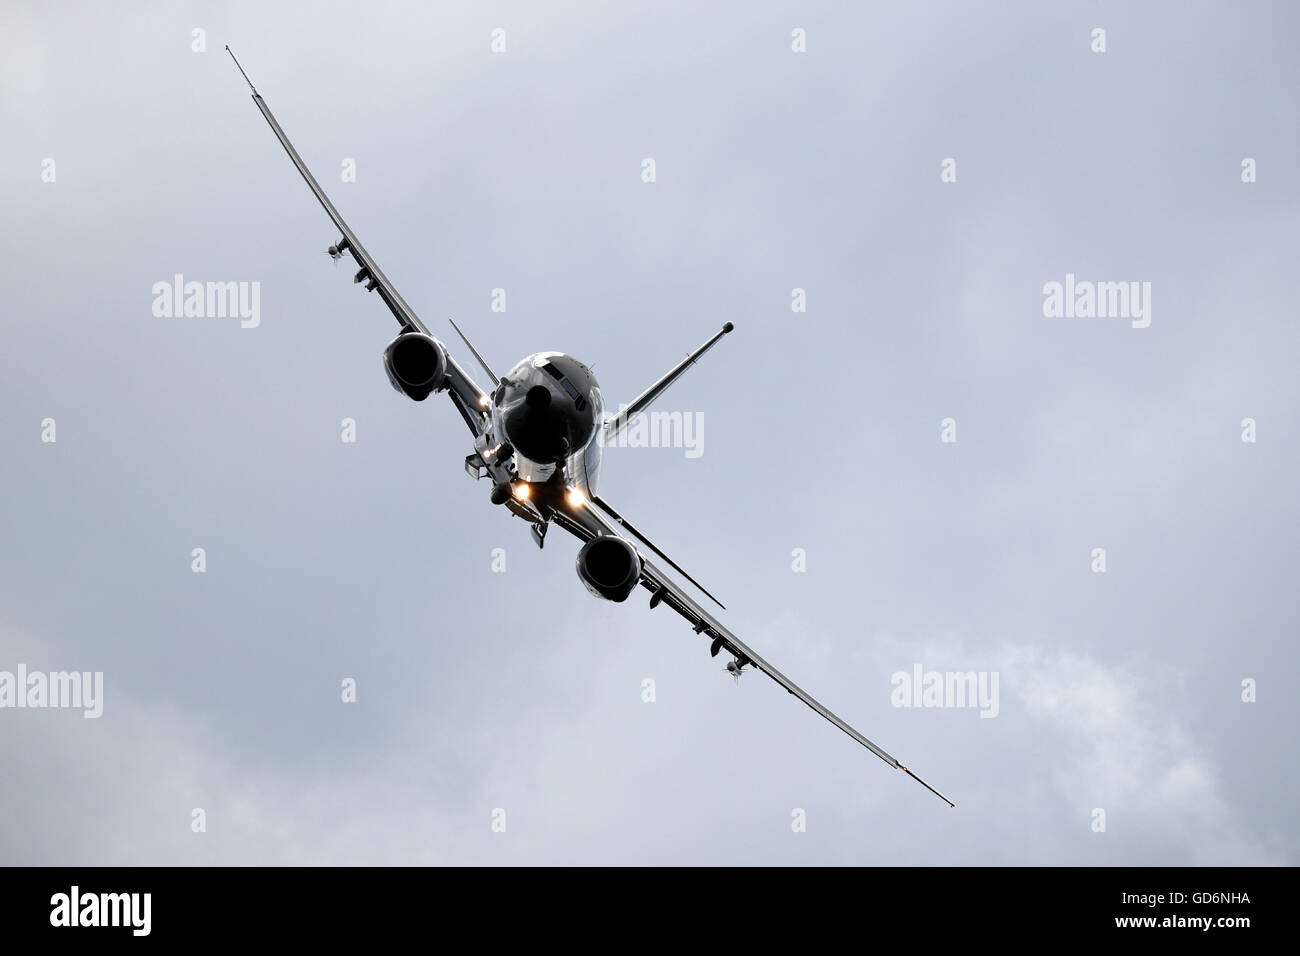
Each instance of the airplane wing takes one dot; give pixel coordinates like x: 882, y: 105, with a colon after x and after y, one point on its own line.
x: 465, y: 394
x: 586, y: 523
x: 627, y: 526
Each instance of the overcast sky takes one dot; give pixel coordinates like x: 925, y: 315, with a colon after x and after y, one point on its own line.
x: 775, y: 170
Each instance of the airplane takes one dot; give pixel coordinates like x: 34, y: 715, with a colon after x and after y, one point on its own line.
x: 538, y: 433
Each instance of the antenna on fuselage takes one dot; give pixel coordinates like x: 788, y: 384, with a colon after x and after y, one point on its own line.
x: 491, y: 374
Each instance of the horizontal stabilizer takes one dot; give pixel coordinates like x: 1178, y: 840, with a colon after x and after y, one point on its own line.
x: 626, y: 525
x: 642, y: 401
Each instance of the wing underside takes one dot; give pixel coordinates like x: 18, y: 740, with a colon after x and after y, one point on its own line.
x: 463, y: 391
x: 586, y: 524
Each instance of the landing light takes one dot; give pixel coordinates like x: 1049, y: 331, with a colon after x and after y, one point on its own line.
x: 522, y: 491
x: 485, y: 400
x: 576, y: 498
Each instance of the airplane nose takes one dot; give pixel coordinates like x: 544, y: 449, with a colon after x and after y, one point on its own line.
x: 538, y: 398
x: 546, y: 427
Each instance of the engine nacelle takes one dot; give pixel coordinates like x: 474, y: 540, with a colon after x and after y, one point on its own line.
x: 416, y: 364
x: 609, y: 567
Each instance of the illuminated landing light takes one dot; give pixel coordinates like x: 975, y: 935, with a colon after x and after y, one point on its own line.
x: 485, y: 400
x: 576, y: 498
x: 522, y: 491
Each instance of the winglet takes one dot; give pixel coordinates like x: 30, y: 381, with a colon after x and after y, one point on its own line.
x: 927, y: 786
x: 241, y: 69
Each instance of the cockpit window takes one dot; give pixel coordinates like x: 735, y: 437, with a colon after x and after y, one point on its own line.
x: 568, y: 387
x: 554, y: 372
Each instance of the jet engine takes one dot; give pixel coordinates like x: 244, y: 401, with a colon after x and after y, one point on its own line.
x: 416, y: 364
x: 609, y: 567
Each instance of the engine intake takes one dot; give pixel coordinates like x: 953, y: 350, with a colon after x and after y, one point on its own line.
x: 416, y: 364
x: 609, y: 567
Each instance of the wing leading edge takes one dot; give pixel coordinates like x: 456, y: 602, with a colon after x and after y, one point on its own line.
x: 466, y: 394
x: 586, y: 524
